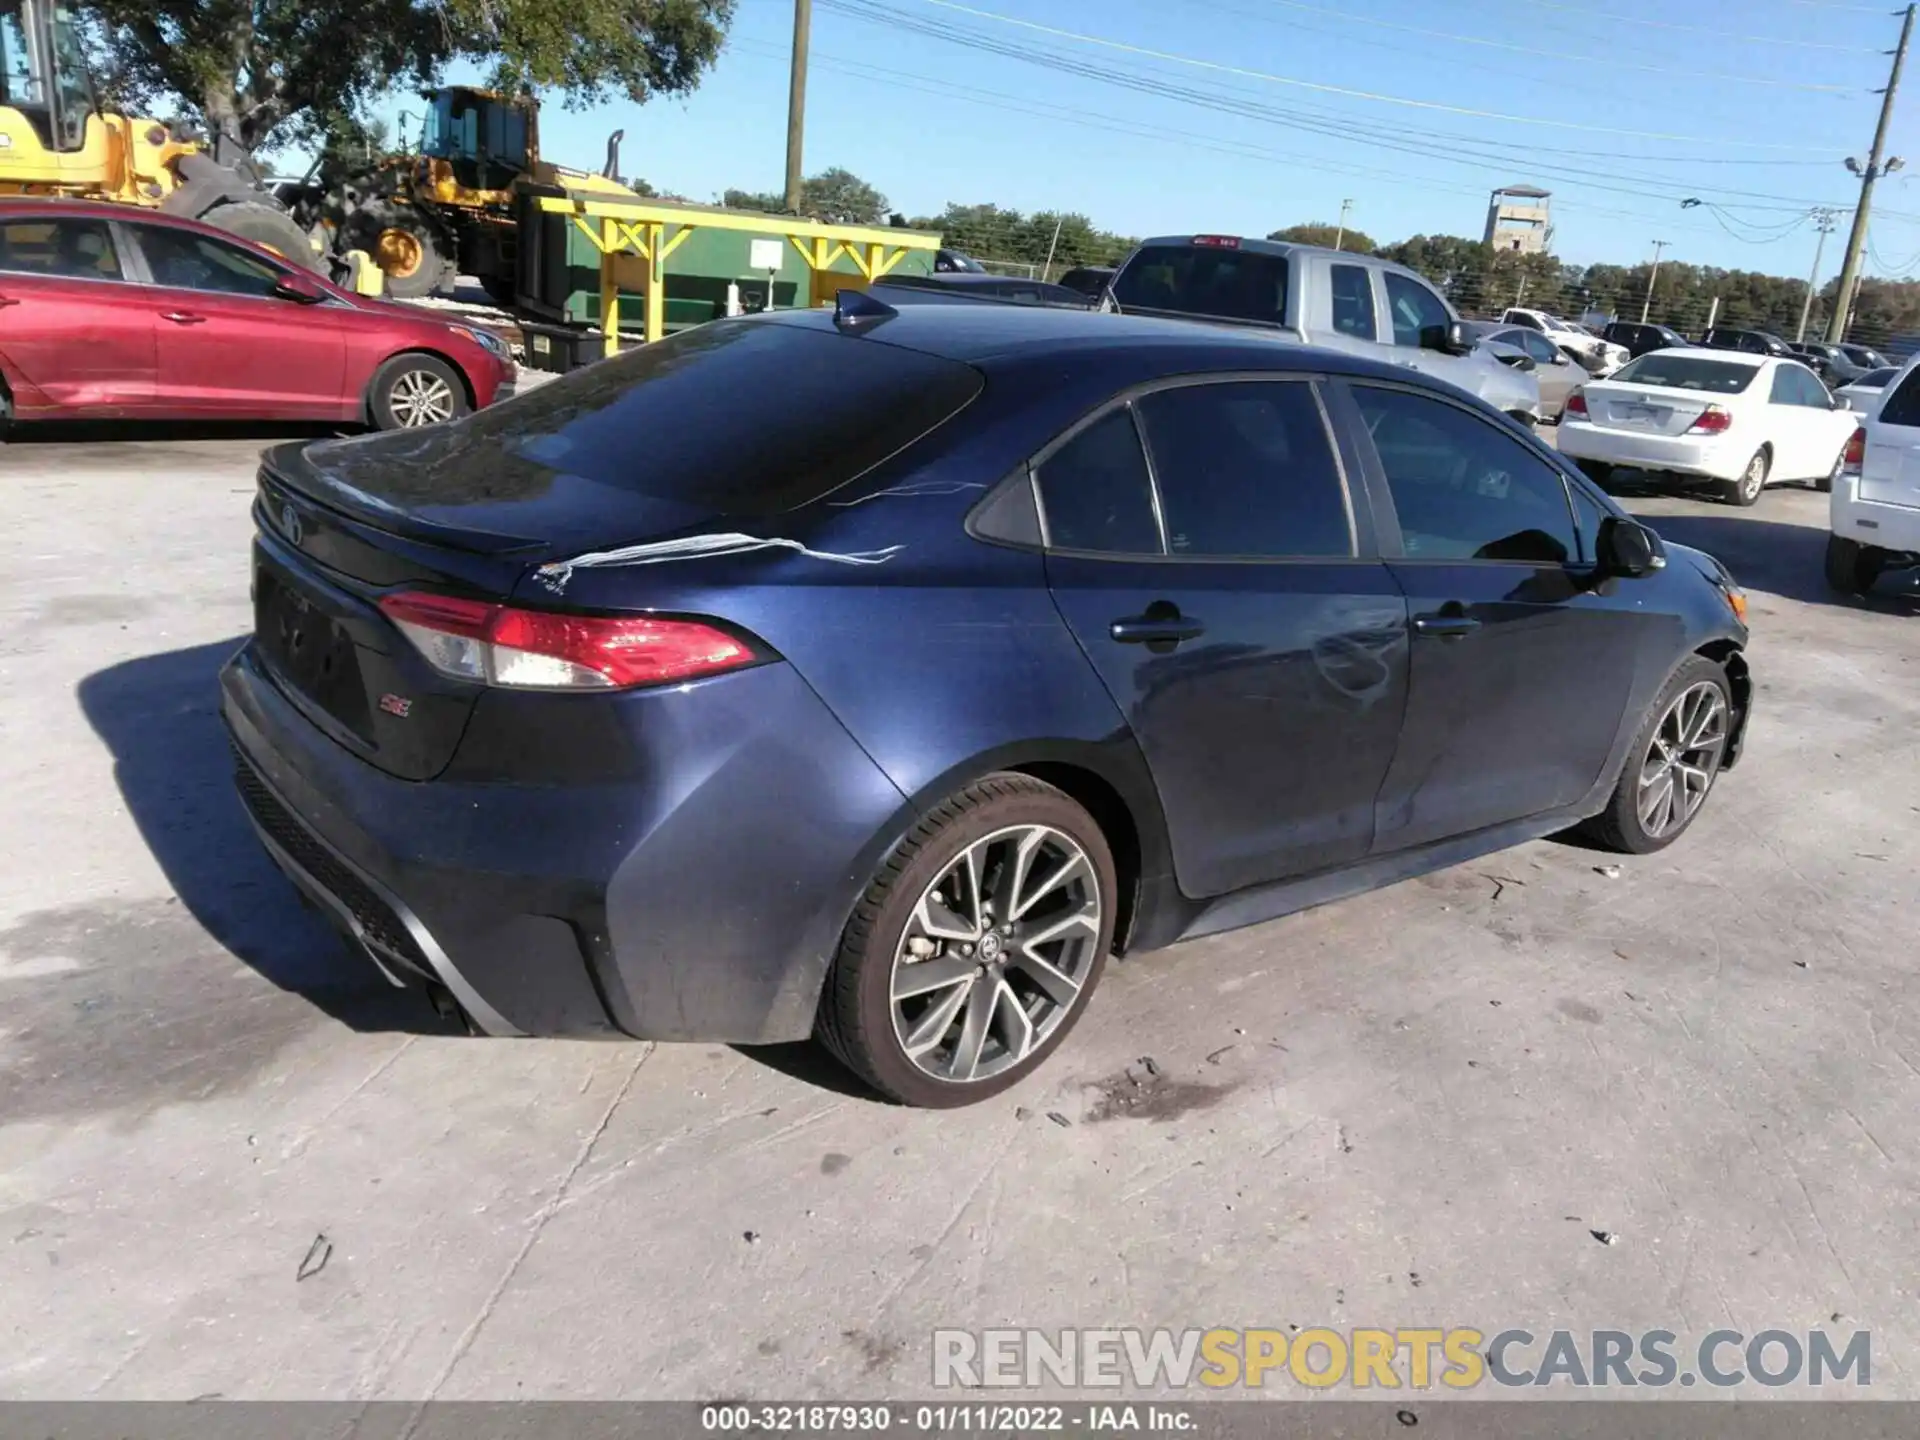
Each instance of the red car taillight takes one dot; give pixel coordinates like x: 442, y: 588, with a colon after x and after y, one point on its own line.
x: 1856, y: 451
x: 1577, y: 404
x: 1714, y: 420
x: 545, y: 650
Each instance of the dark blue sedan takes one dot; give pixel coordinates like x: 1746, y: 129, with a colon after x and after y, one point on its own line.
x: 875, y: 675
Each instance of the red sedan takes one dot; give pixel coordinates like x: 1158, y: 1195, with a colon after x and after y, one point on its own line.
x: 109, y: 312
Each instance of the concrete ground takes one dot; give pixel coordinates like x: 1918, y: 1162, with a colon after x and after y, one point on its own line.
x: 1412, y: 1108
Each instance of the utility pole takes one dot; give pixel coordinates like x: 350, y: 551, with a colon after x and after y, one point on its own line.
x: 1340, y: 236
x: 1647, y: 304
x: 1857, y: 238
x: 797, y: 100
x: 1824, y: 226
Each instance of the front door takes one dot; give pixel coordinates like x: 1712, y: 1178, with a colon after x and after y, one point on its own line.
x: 1801, y: 418
x: 1215, y: 581
x: 225, y: 343
x: 1520, y: 669
x: 70, y: 324
x: 1412, y: 307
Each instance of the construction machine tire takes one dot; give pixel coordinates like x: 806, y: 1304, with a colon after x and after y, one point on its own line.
x: 268, y: 226
x: 410, y: 255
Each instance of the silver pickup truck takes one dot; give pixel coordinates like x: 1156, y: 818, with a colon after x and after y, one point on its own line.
x: 1310, y: 295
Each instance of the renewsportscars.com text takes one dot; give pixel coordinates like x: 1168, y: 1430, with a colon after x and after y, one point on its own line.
x: 1363, y: 1358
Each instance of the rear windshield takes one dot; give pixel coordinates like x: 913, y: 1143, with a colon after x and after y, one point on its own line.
x: 1684, y: 372
x: 1877, y: 379
x: 734, y: 417
x: 1205, y: 280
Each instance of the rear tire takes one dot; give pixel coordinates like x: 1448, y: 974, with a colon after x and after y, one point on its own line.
x: 1746, y: 490
x: 1676, y: 755
x: 1598, y: 471
x: 265, y: 225
x: 991, y: 1004
x: 413, y: 390
x: 1852, y: 567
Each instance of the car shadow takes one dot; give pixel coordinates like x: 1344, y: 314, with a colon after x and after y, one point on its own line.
x: 1779, y: 557
x: 159, y: 717
x: 129, y: 432
x: 808, y: 1062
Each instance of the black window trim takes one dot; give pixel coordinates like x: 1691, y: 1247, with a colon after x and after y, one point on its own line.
x: 146, y: 277
x: 113, y: 234
x: 1392, y: 545
x: 1359, y: 535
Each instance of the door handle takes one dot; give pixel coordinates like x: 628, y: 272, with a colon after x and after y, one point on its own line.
x: 5, y: 302
x: 183, y: 317
x: 1161, y: 628
x: 1445, y: 627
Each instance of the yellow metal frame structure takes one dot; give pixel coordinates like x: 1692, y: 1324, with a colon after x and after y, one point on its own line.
x: 655, y: 231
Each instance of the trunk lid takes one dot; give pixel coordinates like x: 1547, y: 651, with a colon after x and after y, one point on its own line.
x: 1645, y: 409
x: 700, y: 432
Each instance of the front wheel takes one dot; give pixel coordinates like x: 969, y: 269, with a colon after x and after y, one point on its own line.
x: 1672, y: 765
x: 414, y: 390
x: 1746, y: 490
x: 975, y: 947
x: 1852, y: 567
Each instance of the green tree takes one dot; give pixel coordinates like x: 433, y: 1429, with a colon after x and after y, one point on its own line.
x: 257, y: 73
x: 837, y: 196
x: 1318, y: 232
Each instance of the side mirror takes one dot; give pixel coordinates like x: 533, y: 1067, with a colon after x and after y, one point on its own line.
x: 1449, y: 339
x: 299, y: 288
x: 1628, y: 549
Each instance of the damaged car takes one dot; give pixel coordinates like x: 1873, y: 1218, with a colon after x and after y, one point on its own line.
x: 877, y: 674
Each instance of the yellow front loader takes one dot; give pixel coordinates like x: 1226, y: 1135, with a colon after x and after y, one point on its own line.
x: 56, y: 140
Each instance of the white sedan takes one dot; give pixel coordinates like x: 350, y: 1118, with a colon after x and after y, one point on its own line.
x: 1738, y: 420
x: 1863, y: 396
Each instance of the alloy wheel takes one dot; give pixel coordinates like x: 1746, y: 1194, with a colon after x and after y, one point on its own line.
x: 1682, y: 759
x: 995, y: 953
x: 1756, y: 476
x: 420, y: 397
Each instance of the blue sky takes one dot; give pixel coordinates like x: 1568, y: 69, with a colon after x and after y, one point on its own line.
x: 1722, y: 93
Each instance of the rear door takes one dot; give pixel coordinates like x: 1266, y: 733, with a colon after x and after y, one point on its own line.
x: 1222, y: 583
x: 225, y: 344
x: 1890, y: 473
x: 1520, y: 669
x: 1800, y: 414
x: 71, y: 327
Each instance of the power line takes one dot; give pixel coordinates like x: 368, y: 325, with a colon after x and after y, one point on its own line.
x: 1444, y: 149
x: 1611, y: 62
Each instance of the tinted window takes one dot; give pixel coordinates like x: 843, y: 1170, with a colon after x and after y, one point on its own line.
x: 736, y: 417
x: 1462, y: 489
x: 1413, y: 307
x: 186, y: 261
x: 1680, y: 371
x: 72, y: 249
x: 1902, y: 405
x: 1352, y: 291
x: 1877, y: 379
x: 1794, y: 386
x: 1095, y: 492
x: 1205, y: 280
x: 1518, y: 317
x: 1246, y: 469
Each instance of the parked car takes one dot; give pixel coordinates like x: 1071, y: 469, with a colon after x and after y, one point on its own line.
x: 1866, y: 357
x: 1863, y: 394
x: 968, y: 285
x: 1832, y: 364
x: 1358, y: 304
x: 107, y: 312
x: 898, y: 688
x: 1639, y: 339
x: 1874, y: 514
x: 1738, y: 420
x: 1599, y: 356
x: 947, y: 261
x: 1751, y: 342
x: 1557, y: 373
x: 1089, y: 280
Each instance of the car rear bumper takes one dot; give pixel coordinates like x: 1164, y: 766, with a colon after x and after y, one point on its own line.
x: 1713, y: 457
x: 1873, y: 522
x: 696, y: 893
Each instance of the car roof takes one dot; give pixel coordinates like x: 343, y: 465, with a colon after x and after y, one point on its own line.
x: 982, y: 334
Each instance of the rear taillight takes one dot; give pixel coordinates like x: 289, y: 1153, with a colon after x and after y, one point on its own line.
x: 1855, y: 454
x: 547, y: 650
x: 1714, y: 420
x: 1577, y: 404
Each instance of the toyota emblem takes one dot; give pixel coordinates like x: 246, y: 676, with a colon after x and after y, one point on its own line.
x: 290, y: 523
